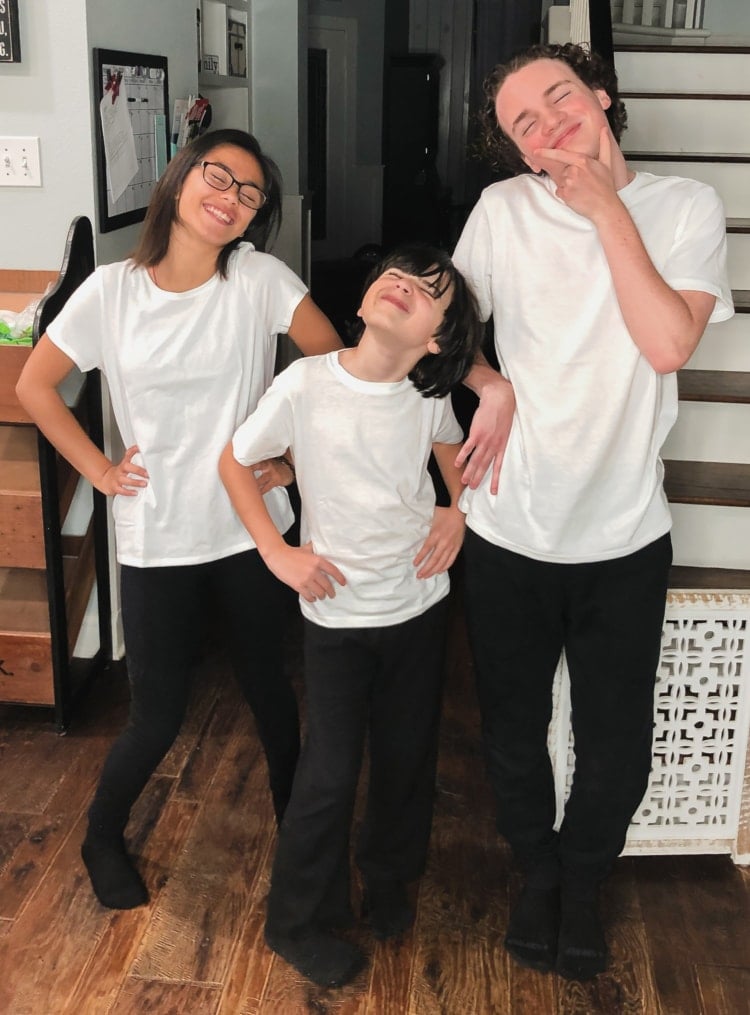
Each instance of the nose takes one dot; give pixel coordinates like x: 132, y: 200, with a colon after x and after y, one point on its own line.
x: 404, y: 283
x: 551, y: 120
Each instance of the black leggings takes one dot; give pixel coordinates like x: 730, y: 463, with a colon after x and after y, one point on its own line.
x: 161, y: 609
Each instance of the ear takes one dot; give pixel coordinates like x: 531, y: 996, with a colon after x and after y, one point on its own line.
x: 604, y: 100
x: 433, y: 347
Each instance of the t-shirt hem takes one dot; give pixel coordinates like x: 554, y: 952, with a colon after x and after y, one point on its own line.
x: 203, y: 558
x: 371, y: 620
x: 551, y: 558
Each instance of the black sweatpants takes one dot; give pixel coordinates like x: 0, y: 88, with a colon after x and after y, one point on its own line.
x: 387, y: 681
x: 608, y: 618
x: 161, y: 610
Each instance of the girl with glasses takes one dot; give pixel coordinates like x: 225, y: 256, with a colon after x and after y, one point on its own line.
x: 185, y: 333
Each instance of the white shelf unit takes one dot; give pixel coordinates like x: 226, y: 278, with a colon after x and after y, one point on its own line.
x: 227, y: 92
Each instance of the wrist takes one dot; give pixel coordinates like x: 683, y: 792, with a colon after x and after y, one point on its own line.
x: 285, y: 460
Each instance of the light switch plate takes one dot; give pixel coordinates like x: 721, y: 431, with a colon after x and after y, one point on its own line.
x: 19, y: 162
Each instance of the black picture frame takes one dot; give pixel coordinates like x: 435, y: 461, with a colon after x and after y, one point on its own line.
x: 10, y: 38
x: 147, y: 74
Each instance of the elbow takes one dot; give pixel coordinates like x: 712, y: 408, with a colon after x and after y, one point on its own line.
x: 668, y: 364
x: 23, y: 392
x: 670, y: 356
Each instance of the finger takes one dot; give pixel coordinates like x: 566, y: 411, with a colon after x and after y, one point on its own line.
x: 425, y: 559
x: 495, y: 481
x: 475, y: 470
x: 424, y: 552
x: 330, y: 569
x: 605, y: 147
x: 464, y: 453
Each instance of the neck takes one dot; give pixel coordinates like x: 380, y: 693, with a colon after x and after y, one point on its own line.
x: 379, y: 360
x: 185, y: 265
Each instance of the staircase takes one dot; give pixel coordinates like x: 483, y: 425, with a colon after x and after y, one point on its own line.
x: 687, y: 118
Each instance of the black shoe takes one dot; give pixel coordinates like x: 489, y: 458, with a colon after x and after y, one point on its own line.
x: 533, y: 927
x: 386, y: 907
x: 322, y: 958
x: 581, y: 949
x: 116, y: 882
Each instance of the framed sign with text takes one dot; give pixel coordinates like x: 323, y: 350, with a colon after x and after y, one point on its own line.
x: 10, y: 43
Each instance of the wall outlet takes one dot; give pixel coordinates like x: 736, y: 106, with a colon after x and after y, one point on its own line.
x: 19, y: 162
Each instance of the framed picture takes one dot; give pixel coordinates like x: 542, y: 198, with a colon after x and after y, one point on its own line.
x: 10, y: 43
x: 132, y: 133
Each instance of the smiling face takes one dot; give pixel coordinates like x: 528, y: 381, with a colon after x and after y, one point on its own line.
x: 546, y: 105
x: 408, y: 306
x: 217, y: 217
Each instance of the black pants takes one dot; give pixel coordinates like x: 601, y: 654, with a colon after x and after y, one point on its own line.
x: 161, y: 609
x: 387, y: 680
x: 608, y: 618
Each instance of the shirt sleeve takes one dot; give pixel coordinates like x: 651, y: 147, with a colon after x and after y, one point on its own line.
x: 473, y: 257
x: 269, y: 430
x: 446, y: 428
x: 698, y: 259
x: 79, y: 327
x: 275, y: 290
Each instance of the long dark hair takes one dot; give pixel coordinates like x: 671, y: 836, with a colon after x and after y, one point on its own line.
x: 162, y: 210
x: 495, y: 145
x: 460, y: 331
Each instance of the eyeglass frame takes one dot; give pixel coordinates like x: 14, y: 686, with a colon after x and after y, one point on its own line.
x: 234, y: 182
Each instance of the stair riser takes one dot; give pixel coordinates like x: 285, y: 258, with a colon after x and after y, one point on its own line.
x: 724, y: 346
x: 673, y: 72
x: 688, y: 125
x: 710, y: 536
x: 710, y: 432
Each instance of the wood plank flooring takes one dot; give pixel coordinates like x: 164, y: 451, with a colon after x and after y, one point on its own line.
x: 204, y: 835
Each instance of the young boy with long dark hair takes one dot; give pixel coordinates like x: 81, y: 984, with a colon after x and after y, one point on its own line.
x: 372, y: 579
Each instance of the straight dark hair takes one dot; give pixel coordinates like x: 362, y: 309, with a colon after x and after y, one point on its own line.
x: 495, y: 145
x: 162, y: 210
x: 460, y: 332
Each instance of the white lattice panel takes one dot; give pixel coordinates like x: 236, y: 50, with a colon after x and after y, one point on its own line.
x: 694, y: 801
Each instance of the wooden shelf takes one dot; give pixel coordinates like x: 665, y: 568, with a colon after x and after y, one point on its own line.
x: 718, y: 483
x: 207, y: 80
x: 731, y: 386
x: 46, y: 578
x: 26, y: 647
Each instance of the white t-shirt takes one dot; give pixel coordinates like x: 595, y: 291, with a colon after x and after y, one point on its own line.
x: 184, y: 370
x: 361, y: 450
x: 581, y: 478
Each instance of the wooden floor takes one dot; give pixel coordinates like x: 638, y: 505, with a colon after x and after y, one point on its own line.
x: 680, y: 927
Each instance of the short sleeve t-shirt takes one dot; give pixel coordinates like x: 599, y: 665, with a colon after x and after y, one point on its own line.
x: 183, y: 371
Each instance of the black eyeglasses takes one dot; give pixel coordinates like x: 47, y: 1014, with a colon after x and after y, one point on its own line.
x: 219, y: 178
